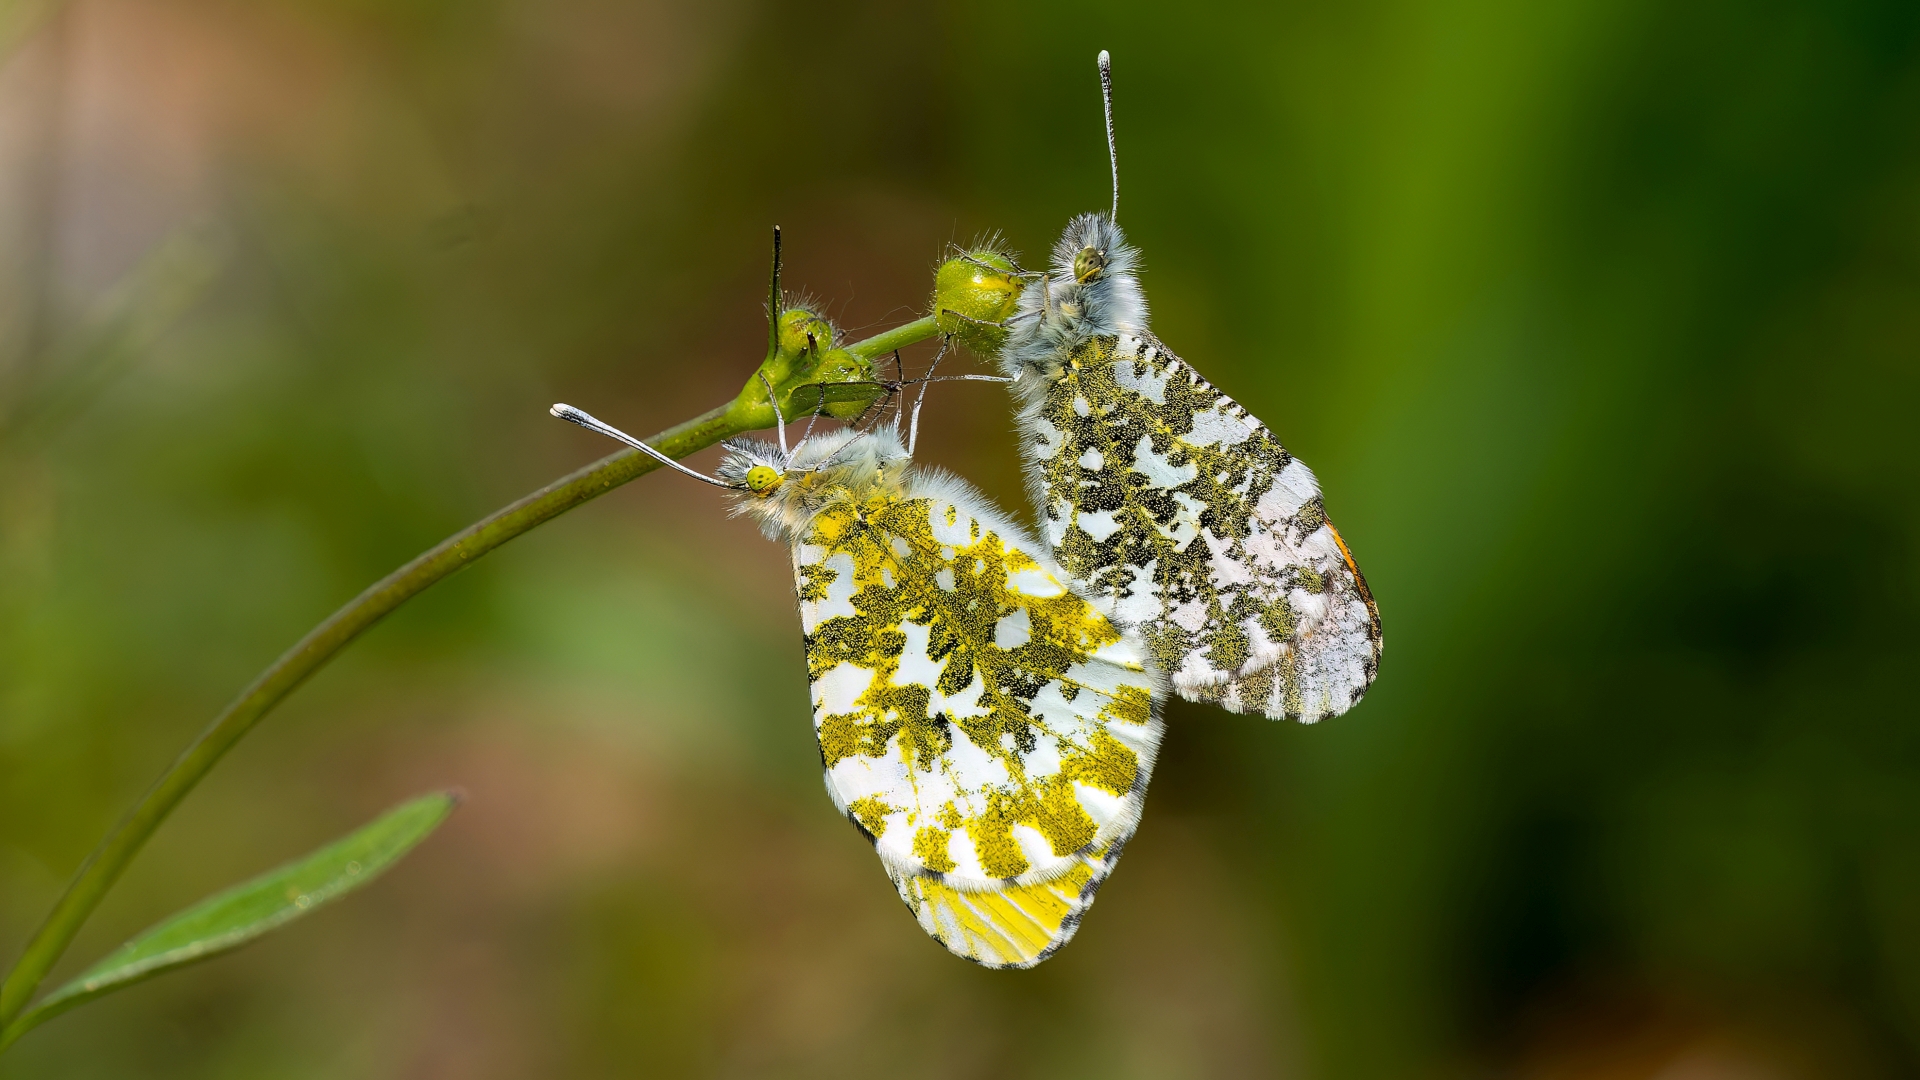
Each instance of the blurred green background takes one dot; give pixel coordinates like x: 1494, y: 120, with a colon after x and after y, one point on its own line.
x: 1598, y: 320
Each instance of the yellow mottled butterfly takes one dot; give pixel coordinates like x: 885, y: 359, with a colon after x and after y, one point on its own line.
x: 1171, y: 505
x: 985, y: 727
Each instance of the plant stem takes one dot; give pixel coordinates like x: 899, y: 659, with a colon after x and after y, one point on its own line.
x: 897, y: 338
x: 110, y: 859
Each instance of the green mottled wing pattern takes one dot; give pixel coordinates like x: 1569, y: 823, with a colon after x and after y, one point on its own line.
x: 1186, y: 519
x: 987, y: 728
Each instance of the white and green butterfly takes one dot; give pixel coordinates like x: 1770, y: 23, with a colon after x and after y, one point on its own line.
x: 986, y: 728
x: 1173, y: 506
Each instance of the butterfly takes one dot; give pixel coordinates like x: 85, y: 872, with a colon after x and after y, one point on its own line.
x: 985, y: 727
x: 1169, y: 503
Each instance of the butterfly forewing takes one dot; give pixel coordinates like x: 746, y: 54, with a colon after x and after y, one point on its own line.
x: 989, y: 729
x: 1187, y: 519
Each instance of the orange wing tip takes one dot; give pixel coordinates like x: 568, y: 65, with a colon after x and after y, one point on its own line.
x: 1360, y: 582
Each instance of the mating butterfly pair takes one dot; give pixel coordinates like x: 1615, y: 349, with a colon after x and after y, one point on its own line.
x: 987, y: 706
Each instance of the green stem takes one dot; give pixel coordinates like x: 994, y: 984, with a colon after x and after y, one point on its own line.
x: 110, y: 859
x: 897, y: 338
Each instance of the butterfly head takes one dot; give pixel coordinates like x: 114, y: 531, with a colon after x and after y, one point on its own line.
x: 1092, y: 290
x: 1088, y: 265
x: 754, y: 470
x: 1091, y: 250
x: 785, y: 490
x: 762, y: 479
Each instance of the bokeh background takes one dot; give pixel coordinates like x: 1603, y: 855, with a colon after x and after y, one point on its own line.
x: 1598, y: 319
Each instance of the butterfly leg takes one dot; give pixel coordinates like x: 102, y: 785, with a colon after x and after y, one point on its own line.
x: 971, y: 319
x: 913, y: 429
x: 774, y: 400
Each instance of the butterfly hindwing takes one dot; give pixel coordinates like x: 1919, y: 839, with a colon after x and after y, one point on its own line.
x: 986, y: 727
x: 1186, y: 519
x: 1013, y: 925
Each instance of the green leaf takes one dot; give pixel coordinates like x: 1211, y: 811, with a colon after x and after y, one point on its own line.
x: 230, y: 919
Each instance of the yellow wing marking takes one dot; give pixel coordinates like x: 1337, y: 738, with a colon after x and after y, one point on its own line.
x: 1012, y: 927
x: 955, y: 596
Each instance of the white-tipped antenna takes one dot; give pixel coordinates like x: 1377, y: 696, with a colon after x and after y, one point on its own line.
x: 575, y: 416
x: 1113, y: 154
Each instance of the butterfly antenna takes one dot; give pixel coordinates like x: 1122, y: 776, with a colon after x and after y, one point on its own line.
x: 913, y: 429
x: 776, y: 302
x: 575, y: 416
x: 1113, y: 155
x: 780, y: 422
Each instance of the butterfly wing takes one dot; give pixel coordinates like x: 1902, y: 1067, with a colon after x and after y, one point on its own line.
x: 1188, y: 520
x: 988, y: 729
x: 1009, y: 925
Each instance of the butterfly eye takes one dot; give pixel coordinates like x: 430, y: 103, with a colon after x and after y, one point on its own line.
x: 1089, y: 265
x: 762, y: 479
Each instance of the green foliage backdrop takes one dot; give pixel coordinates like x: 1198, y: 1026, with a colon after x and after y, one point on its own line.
x: 1599, y: 321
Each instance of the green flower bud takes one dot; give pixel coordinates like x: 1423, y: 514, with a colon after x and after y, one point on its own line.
x: 972, y: 295
x: 807, y: 374
x: 842, y: 386
x: 802, y: 332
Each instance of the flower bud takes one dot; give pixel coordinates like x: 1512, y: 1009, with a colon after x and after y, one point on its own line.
x: 801, y: 332
x: 972, y: 295
x: 807, y: 374
x: 841, y: 385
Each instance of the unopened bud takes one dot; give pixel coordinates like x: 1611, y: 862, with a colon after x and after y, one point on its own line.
x: 842, y: 386
x: 807, y: 375
x: 973, y: 296
x: 803, y: 332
